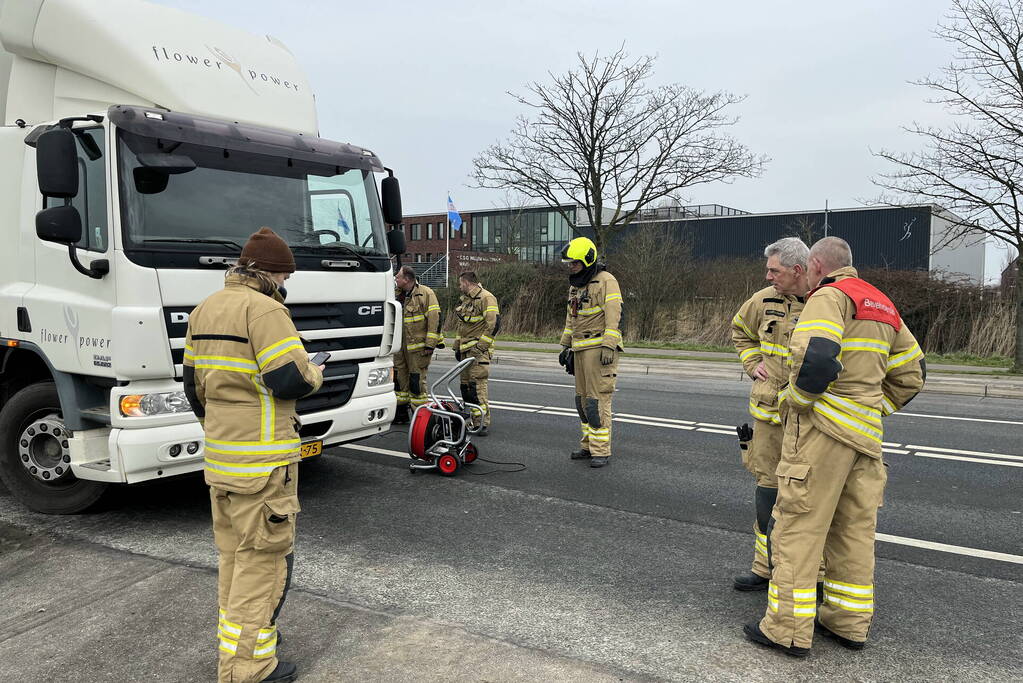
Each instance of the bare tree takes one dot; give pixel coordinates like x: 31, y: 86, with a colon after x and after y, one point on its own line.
x: 804, y: 228
x: 602, y: 138
x: 656, y: 274
x: 974, y: 166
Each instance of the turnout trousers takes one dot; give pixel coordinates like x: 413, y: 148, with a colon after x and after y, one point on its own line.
x: 594, y: 387
x: 410, y: 368
x: 473, y: 385
x: 255, y: 536
x: 828, y: 496
x: 761, y: 459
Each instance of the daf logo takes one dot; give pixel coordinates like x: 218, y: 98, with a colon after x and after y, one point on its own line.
x: 179, y: 318
x: 370, y: 310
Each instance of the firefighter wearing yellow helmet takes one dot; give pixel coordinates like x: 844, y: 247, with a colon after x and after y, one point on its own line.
x: 591, y: 343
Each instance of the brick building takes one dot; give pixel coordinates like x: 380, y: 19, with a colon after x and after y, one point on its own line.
x: 424, y: 236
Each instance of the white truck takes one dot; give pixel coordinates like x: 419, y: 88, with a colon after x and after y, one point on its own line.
x: 139, y: 148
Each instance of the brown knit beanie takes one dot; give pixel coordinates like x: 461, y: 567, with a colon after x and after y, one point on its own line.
x: 266, y: 251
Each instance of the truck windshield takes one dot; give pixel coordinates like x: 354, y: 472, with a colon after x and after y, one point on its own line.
x: 188, y: 198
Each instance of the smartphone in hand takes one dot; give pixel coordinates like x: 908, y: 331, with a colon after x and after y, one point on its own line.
x: 320, y: 358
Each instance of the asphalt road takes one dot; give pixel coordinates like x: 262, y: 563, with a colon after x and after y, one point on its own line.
x: 629, y: 566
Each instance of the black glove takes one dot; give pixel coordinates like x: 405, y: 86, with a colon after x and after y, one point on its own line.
x: 607, y: 355
x: 458, y: 355
x: 745, y: 433
x: 563, y: 357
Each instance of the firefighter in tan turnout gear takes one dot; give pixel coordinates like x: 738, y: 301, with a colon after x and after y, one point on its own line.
x: 478, y: 322
x: 760, y: 334
x: 244, y: 368
x: 420, y: 336
x: 591, y: 343
x: 853, y: 362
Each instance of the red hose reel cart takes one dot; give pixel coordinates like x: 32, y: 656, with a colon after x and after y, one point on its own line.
x: 438, y: 436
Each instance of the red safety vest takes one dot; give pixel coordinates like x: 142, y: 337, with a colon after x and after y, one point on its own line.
x: 871, y: 303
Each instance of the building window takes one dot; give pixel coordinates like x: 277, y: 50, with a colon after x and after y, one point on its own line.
x: 419, y: 258
x: 415, y: 231
x: 429, y: 231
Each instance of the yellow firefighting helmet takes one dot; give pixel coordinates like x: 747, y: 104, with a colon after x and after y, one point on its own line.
x: 580, y: 249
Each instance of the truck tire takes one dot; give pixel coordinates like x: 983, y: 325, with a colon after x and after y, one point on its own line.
x: 34, y: 459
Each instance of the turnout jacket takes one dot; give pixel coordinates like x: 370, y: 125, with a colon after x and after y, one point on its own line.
x: 477, y: 315
x: 853, y: 361
x: 420, y: 318
x: 244, y: 367
x: 594, y: 314
x: 760, y: 332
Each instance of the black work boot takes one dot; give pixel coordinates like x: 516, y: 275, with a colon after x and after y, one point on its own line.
x: 598, y: 461
x: 750, y: 582
x: 402, y: 416
x: 580, y: 454
x: 483, y: 431
x: 754, y: 633
x: 285, y: 672
x: 841, y: 640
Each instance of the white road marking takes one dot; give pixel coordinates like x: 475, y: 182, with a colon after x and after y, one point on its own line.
x: 519, y: 405
x: 538, y: 384
x: 963, y: 459
x: 652, y: 424
x: 371, y: 449
x: 959, y: 451
x: 659, y: 419
x: 968, y: 419
x: 515, y: 408
x: 887, y: 538
x: 946, y: 548
x: 890, y: 447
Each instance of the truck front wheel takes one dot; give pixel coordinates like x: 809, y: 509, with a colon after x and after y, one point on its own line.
x: 35, y: 461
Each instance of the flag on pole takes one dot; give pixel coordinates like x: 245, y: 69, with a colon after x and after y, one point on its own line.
x: 341, y: 222
x: 453, y: 217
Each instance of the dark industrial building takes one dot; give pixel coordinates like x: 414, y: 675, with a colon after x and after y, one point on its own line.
x: 895, y: 237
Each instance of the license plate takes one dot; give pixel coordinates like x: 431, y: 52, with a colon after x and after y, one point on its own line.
x: 312, y: 448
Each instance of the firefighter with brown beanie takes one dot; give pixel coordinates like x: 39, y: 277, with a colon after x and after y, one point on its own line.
x: 760, y: 334
x: 244, y: 368
x: 591, y: 342
x: 478, y: 321
x: 420, y: 335
x: 853, y: 362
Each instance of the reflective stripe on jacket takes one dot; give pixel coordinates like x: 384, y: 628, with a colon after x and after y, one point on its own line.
x: 760, y: 333
x: 476, y: 316
x: 420, y: 319
x: 244, y: 367
x: 847, y: 372
x: 594, y: 315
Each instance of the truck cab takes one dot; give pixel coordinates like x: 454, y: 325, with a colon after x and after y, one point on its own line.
x: 140, y: 147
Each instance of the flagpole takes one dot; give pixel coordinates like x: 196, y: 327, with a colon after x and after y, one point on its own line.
x: 447, y: 243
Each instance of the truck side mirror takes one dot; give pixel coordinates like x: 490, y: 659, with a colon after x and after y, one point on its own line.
x: 391, y: 200
x: 396, y: 241
x: 61, y: 224
x: 57, y: 164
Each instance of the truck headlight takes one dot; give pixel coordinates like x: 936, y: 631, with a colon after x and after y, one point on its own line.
x: 145, y: 405
x: 380, y: 376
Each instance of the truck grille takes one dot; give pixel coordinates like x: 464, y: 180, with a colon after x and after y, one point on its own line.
x: 352, y: 331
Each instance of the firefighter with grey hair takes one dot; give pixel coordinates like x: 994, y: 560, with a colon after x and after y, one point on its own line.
x: 760, y: 334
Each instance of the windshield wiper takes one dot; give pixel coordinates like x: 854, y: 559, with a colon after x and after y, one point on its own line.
x: 192, y: 240
x: 344, y: 248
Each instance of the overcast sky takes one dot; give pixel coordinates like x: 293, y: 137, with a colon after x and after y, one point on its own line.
x: 423, y: 84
